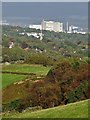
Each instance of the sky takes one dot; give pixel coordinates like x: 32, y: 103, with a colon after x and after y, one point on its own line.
x: 29, y: 13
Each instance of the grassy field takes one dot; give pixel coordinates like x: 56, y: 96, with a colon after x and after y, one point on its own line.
x: 8, y: 79
x: 25, y: 68
x: 73, y: 110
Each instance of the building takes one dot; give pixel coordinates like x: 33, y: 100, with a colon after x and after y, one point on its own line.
x: 35, y: 26
x: 4, y: 22
x: 52, y: 26
x: 11, y: 44
x: 36, y: 35
x: 73, y: 29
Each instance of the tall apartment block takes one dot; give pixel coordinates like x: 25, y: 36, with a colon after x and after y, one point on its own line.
x: 52, y: 26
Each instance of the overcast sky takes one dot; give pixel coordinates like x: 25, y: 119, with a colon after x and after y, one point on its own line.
x: 29, y: 13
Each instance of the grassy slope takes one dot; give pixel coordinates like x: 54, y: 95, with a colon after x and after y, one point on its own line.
x: 8, y: 79
x: 25, y: 68
x: 73, y: 110
x: 18, y: 90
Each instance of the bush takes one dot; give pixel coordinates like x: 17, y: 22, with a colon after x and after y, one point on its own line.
x: 14, y: 105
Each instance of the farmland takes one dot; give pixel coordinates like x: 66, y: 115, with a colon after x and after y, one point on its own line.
x: 9, y: 78
x: 25, y: 68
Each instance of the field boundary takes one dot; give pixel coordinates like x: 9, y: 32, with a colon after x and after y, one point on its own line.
x: 20, y: 73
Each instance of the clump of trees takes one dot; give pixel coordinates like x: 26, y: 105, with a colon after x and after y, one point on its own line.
x: 14, y: 54
x: 42, y: 59
x: 72, y: 79
x: 67, y: 82
x: 19, y: 54
x: 44, y: 95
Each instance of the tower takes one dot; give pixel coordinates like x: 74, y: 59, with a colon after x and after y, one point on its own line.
x: 41, y: 34
x: 67, y: 27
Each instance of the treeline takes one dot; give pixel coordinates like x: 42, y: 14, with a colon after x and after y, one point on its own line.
x: 18, y: 54
x: 65, y: 83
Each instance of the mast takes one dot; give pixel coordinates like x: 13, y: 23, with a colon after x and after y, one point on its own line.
x: 67, y: 26
x: 41, y: 35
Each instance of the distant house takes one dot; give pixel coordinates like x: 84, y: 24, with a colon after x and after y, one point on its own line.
x: 11, y: 44
x: 37, y: 27
x: 33, y: 34
x: 26, y: 49
x: 22, y: 33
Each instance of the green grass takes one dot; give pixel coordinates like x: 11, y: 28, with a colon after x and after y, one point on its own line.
x: 25, y: 68
x: 73, y: 110
x: 8, y: 79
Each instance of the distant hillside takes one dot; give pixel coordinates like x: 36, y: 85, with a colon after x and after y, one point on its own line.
x: 73, y: 110
x: 54, y: 45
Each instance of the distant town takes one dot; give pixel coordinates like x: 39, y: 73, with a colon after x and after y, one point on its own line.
x: 52, y: 26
